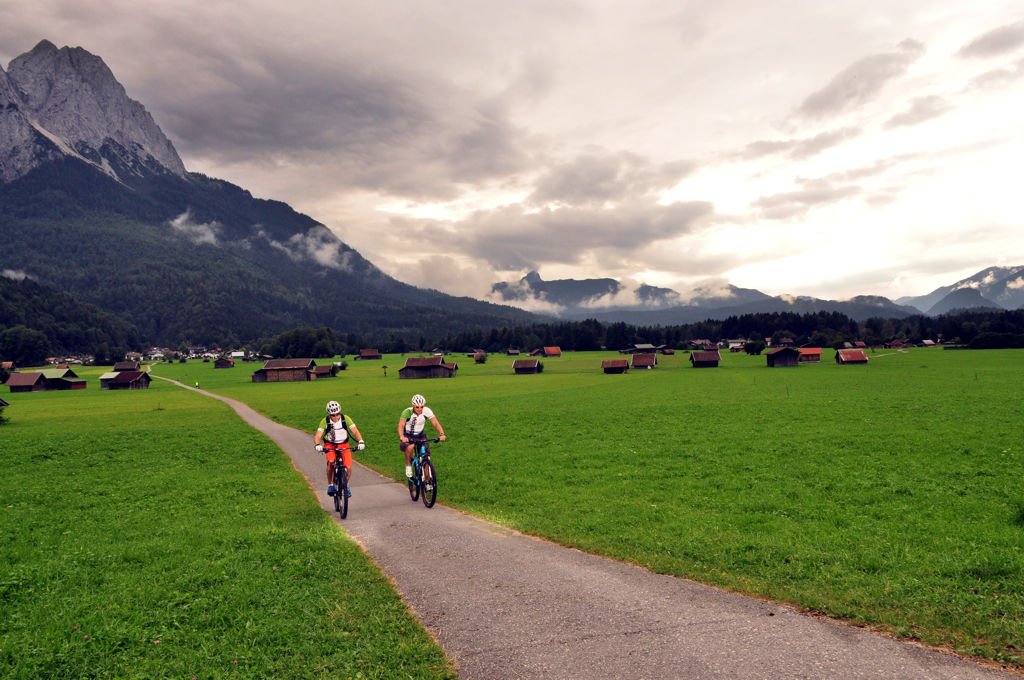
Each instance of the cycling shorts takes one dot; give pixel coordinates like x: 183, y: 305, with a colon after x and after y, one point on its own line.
x: 346, y: 453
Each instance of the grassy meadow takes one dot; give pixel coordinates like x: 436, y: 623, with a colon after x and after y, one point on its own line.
x: 889, y: 494
x: 152, y: 534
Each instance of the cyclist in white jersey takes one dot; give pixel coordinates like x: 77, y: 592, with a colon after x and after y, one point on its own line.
x: 412, y: 427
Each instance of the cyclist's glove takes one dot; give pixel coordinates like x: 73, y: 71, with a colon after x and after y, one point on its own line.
x: 360, y: 446
x: 319, y: 448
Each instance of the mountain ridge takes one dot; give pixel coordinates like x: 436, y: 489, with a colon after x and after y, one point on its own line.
x: 602, y: 299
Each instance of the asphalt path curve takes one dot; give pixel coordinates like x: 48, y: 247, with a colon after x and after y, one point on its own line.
x: 506, y: 605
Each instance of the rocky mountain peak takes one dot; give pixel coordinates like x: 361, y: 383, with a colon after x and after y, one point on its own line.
x: 68, y: 99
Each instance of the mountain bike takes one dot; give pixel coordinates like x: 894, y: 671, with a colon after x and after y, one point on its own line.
x: 423, y: 483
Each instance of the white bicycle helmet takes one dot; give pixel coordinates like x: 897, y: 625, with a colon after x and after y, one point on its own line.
x: 333, y: 408
x: 418, y: 400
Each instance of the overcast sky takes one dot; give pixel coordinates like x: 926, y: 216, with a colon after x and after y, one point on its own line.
x: 794, y: 146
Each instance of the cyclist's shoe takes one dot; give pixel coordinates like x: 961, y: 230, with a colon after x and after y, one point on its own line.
x: 430, y: 486
x: 348, y: 493
x: 330, y: 489
x: 408, y: 471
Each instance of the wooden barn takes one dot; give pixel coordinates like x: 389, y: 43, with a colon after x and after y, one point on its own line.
x: 325, y: 371
x: 62, y: 379
x: 427, y: 367
x: 26, y: 382
x: 615, y: 365
x: 782, y: 356
x: 851, y: 356
x: 106, y: 378
x: 526, y: 366
x: 130, y: 380
x: 45, y: 380
x: 224, y: 362
x: 645, y: 360
x: 369, y: 354
x: 286, y: 370
x: 547, y: 352
x: 126, y: 366
x: 707, y: 358
x: 810, y: 355
x: 512, y: 352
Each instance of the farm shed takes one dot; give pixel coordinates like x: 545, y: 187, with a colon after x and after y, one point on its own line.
x: 325, y: 371
x: 224, y: 362
x: 547, y: 352
x: 645, y: 360
x: 851, y: 356
x: 615, y: 365
x: 106, y: 378
x: 130, y: 380
x: 810, y: 355
x: 126, y: 366
x: 427, y: 367
x: 286, y: 370
x: 62, y: 379
x: 782, y: 356
x: 368, y: 354
x: 8, y: 365
x: 525, y: 366
x: 512, y: 352
x: 26, y: 382
x: 705, y: 358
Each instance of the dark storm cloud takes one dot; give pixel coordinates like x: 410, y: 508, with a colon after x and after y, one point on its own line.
x: 995, y: 42
x: 514, y: 238
x: 598, y: 177
x: 392, y: 132
x: 861, y: 81
x: 800, y: 148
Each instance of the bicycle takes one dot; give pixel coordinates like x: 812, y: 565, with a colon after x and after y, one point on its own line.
x: 340, y: 487
x: 423, y: 483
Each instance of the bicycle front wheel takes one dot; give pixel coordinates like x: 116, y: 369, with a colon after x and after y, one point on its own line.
x: 429, y: 479
x: 342, y: 488
x: 338, y: 492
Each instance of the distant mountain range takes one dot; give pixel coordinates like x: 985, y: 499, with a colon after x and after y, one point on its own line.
x: 96, y: 204
x: 608, y: 300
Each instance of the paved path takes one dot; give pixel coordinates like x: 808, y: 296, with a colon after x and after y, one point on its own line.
x: 504, y: 605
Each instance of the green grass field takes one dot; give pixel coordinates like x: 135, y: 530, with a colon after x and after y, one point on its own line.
x: 153, y: 534
x: 888, y: 494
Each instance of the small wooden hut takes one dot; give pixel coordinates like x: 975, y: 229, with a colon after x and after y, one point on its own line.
x: 779, y: 357
x: 526, y: 366
x: 707, y: 358
x: 851, y: 356
x: 427, y: 367
x: 615, y: 365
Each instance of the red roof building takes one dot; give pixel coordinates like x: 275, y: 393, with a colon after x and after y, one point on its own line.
x: 615, y: 365
x: 851, y: 356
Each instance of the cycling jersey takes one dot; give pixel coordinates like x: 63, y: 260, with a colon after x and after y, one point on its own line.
x: 415, y: 424
x: 338, y: 433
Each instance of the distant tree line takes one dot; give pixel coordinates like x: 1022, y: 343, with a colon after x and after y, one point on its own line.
x: 977, y: 329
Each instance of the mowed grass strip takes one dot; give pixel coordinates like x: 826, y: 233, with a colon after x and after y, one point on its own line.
x: 889, y: 494
x: 152, y: 534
